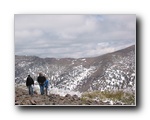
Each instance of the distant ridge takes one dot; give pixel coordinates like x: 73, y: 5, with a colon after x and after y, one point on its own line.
x: 112, y: 71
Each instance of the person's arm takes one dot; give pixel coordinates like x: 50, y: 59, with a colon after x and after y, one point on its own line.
x: 38, y: 79
x: 32, y: 81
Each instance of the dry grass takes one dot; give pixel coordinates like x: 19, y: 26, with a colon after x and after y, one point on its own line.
x: 124, y: 97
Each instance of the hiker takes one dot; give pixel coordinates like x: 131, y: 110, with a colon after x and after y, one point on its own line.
x: 41, y: 79
x: 29, y: 84
x: 46, y: 85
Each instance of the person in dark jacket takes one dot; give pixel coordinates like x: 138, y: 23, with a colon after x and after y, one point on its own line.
x: 41, y: 79
x: 29, y: 84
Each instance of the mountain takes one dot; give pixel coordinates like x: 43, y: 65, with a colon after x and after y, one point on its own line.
x: 112, y: 71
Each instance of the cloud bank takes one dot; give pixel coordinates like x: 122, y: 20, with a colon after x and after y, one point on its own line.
x: 73, y: 35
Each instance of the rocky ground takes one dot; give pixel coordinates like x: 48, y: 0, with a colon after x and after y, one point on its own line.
x: 22, y: 98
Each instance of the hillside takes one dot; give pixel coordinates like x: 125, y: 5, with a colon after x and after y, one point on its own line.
x: 22, y: 98
x: 107, y: 72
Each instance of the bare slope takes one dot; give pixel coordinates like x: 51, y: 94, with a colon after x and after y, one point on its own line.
x: 113, y: 71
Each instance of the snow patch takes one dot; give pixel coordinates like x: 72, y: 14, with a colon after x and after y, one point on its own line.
x: 63, y: 92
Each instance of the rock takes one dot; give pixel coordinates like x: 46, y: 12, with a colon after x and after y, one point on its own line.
x: 62, y: 98
x: 75, y: 97
x: 95, y: 102
x: 68, y: 95
x: 25, y: 102
x: 118, y: 103
x: 33, y: 102
x: 88, y: 102
x: 35, y: 92
x: 17, y: 102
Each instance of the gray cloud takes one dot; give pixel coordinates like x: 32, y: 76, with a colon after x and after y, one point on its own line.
x: 73, y: 35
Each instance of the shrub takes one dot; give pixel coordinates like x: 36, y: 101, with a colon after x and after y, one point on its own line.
x: 115, y: 96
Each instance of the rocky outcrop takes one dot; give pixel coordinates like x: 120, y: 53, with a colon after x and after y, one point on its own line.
x: 22, y: 98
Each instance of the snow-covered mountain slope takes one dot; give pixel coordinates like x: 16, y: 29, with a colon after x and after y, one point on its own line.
x: 113, y: 71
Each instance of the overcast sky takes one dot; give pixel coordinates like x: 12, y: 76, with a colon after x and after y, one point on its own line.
x: 74, y: 36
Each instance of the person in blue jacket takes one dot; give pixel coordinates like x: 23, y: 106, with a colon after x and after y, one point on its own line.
x: 46, y: 84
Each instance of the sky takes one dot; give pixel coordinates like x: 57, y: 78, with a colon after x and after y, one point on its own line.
x: 73, y: 36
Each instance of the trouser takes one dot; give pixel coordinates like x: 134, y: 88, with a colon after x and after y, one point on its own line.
x: 46, y: 90
x: 30, y: 88
x: 42, y: 89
